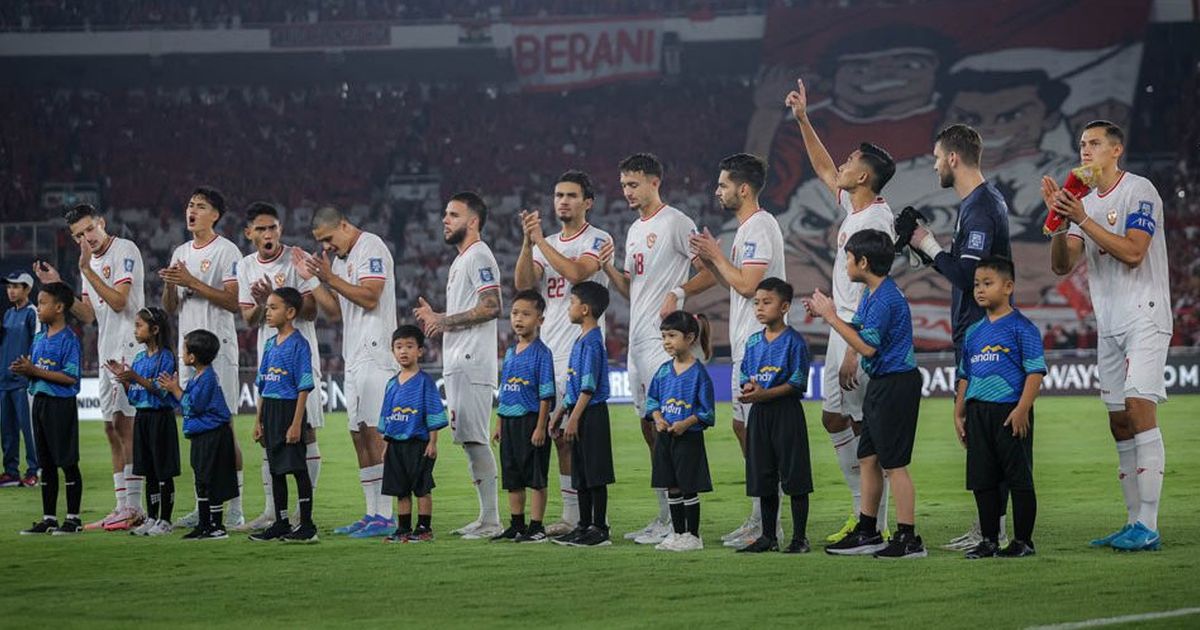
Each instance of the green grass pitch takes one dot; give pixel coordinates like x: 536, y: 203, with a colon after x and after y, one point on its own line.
x: 114, y: 580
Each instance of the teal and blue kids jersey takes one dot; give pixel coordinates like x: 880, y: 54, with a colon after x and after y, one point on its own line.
x: 885, y: 323
x: 149, y: 366
x: 16, y: 340
x: 781, y: 360
x: 411, y: 409
x: 59, y: 352
x: 587, y: 370
x: 286, y: 368
x: 680, y: 396
x: 998, y: 355
x: 203, y: 404
x: 526, y: 379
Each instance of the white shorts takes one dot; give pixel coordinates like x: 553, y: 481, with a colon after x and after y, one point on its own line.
x: 227, y: 378
x: 644, y: 361
x: 836, y: 399
x: 1131, y: 365
x: 469, y: 405
x: 314, y: 409
x: 365, y: 388
x: 112, y: 397
x: 741, y: 411
x: 560, y: 382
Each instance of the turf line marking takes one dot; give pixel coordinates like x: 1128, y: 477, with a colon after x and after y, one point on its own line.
x: 1112, y: 621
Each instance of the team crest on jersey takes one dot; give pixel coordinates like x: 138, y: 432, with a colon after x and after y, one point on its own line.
x: 376, y: 265
x: 1112, y: 217
x: 106, y: 271
x: 1145, y: 207
x: 129, y: 264
x: 485, y: 275
x: 205, y: 265
x: 279, y: 278
x: 650, y: 239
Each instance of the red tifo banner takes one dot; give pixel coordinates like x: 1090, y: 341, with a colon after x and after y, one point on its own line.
x: 556, y: 55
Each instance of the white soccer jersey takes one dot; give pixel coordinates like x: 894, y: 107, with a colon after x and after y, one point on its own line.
x: 367, y: 334
x: 471, y: 351
x: 877, y: 216
x: 758, y: 242
x: 214, y: 265
x: 121, y: 263
x: 1120, y: 295
x: 559, y: 333
x: 280, y: 272
x: 657, y: 259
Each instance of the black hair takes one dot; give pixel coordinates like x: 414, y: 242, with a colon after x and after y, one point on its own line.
x: 890, y: 37
x: 474, y: 203
x: 744, y: 168
x: 1111, y: 129
x: 1051, y: 92
x: 779, y: 287
x: 326, y: 216
x: 999, y: 264
x: 876, y: 247
x: 529, y: 295
x: 214, y: 198
x: 688, y: 324
x: 580, y: 178
x: 882, y: 166
x: 203, y: 345
x: 291, y: 297
x: 80, y: 212
x: 408, y: 331
x: 259, y: 208
x: 645, y: 163
x: 593, y: 295
x: 155, y: 317
x: 61, y: 294
x: 963, y: 141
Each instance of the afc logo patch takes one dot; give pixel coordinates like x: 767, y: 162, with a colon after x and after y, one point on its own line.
x: 748, y: 250
x: 975, y: 240
x: 375, y: 265
x: 129, y: 264
x: 486, y: 275
x: 650, y: 240
x: 1145, y: 207
x: 598, y: 243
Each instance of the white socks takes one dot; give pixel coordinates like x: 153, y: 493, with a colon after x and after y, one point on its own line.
x: 664, y: 508
x: 235, y: 504
x: 1127, y: 464
x: 1151, y: 461
x: 120, y: 489
x: 312, y: 458
x: 268, y: 488
x: 845, y: 446
x: 882, y: 515
x: 367, y: 482
x: 570, y: 500
x: 482, y: 465
x: 133, y: 488
x: 383, y: 505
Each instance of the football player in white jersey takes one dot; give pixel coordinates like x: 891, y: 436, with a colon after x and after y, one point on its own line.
x: 857, y: 184
x: 1118, y: 228
x: 655, y: 281
x: 269, y: 267
x: 358, y: 287
x: 112, y: 288
x: 470, y: 366
x: 200, y: 285
x: 757, y: 253
x: 552, y: 265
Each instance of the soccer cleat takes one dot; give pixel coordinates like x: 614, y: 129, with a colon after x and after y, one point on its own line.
x: 903, y: 545
x: 235, y: 520
x: 485, y: 531
x: 9, y: 481
x: 346, y: 530
x: 655, y: 535
x: 144, y: 528
x: 509, y: 534
x: 594, y: 536
x: 420, y: 535
x: 124, y: 520
x: 378, y: 527
x: 569, y: 538
x: 762, y: 545
x: 102, y: 523
x: 744, y: 530
x: 668, y: 543
x: 746, y: 537
x: 655, y: 525
x: 1017, y: 549
x: 857, y: 543
x: 967, y: 541
x: 303, y: 534
x: 44, y: 526
x: 398, y: 536
x: 275, y: 532
x: 847, y: 527
x: 985, y: 549
x: 798, y: 545
x: 687, y: 542
x: 559, y: 529
x: 1107, y: 541
x: 214, y: 533
x: 260, y: 522
x: 468, y: 528
x: 191, y: 519
x: 532, y: 536
x: 30, y: 480
x: 161, y: 528
x: 69, y: 527
x: 1138, y: 538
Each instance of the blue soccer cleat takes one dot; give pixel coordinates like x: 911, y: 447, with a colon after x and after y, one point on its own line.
x: 1107, y: 541
x: 378, y: 527
x: 1138, y: 538
x: 355, y: 526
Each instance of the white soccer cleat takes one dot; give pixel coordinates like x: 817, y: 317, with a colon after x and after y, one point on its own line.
x: 747, y: 536
x: 687, y: 542
x: 751, y: 524
x: 656, y: 534
x: 967, y: 541
x: 144, y: 528
x: 485, y: 531
x: 466, y: 529
x: 161, y: 528
x: 261, y: 522
x: 651, y: 527
x: 668, y: 543
x: 189, y: 520
x: 235, y: 521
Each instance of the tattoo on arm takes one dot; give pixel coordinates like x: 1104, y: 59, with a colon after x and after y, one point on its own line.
x: 487, y: 309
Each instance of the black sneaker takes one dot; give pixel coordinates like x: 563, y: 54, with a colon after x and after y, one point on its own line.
x: 532, y: 535
x: 196, y: 534
x: 276, y: 531
x: 762, y: 544
x: 304, y: 534
x: 420, y: 535
x: 508, y: 535
x: 570, y: 537
x: 214, y: 533
x: 1017, y: 549
x: 985, y: 549
x: 44, y: 526
x: 857, y: 543
x: 595, y: 536
x: 903, y: 545
x: 399, y: 536
x: 798, y: 545
x: 69, y: 527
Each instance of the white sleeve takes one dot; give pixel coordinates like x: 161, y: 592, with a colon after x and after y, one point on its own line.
x: 483, y: 272
x: 229, y: 263
x: 374, y: 264
x: 758, y: 249
x: 245, y: 298
x: 127, y: 261
x: 538, y: 258
x: 684, y: 228
x: 884, y: 222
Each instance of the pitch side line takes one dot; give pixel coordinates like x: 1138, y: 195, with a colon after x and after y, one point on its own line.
x: 1112, y: 621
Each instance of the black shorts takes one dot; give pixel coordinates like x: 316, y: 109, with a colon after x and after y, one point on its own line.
x: 591, y: 452
x: 282, y: 458
x: 680, y: 462
x: 155, y: 444
x: 406, y: 469
x: 889, y: 426
x: 994, y: 456
x: 56, y: 430
x: 213, y: 463
x: 522, y: 465
x: 777, y: 449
